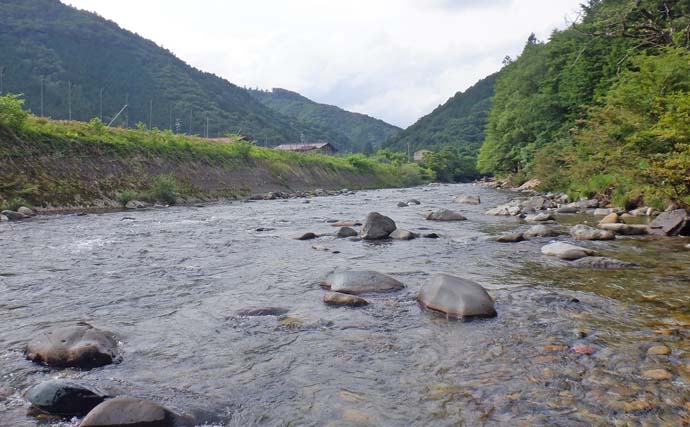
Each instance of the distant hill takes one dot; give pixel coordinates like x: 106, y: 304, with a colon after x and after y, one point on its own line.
x: 327, y: 121
x: 460, y: 122
x: 45, y: 40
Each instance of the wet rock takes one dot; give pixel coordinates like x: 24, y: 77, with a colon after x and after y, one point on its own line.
x: 262, y: 229
x: 402, y: 205
x: 262, y: 311
x: 567, y: 210
x: 671, y: 223
x: 540, y: 231
x: 456, y: 297
x: 566, y: 251
x: 135, y: 204
x: 532, y: 184
x: 26, y: 211
x: 540, y: 217
x: 510, y: 238
x: 346, y: 223
x: 5, y: 392
x: 354, y: 239
x: 603, y: 211
x: 431, y: 236
x: 585, y: 349
x: 14, y: 216
x: 643, y: 211
x: 657, y: 374
x: 509, y: 209
x: 659, y: 350
x: 347, y: 232
x: 81, y: 346
x: 445, y: 215
x: 413, y: 202
x: 468, y: 200
x: 341, y: 299
x: 626, y: 229
x: 359, y: 282
x: 307, y: 236
x: 611, y: 218
x: 377, y: 226
x: 132, y: 412
x: 4, y: 218
x: 64, y: 398
x: 586, y: 204
x: 603, y: 263
x: 584, y: 232
x: 400, y: 234
x: 539, y: 203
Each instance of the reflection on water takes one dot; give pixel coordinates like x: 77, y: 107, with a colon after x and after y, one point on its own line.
x: 170, y: 283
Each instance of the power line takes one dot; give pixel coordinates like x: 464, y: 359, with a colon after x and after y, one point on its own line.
x: 150, y: 112
x: 69, y: 99
x: 100, y: 108
x: 42, y: 78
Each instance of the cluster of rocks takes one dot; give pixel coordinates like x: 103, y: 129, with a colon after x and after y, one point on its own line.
x: 319, y: 192
x: 84, y: 347
x: 22, y: 213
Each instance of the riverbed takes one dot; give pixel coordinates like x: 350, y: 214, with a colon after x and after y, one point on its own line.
x: 169, y: 282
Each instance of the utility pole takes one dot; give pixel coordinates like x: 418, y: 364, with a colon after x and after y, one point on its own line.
x: 127, y: 111
x: 69, y: 99
x: 100, y: 104
x: 150, y: 112
x: 42, y: 78
x: 408, y: 151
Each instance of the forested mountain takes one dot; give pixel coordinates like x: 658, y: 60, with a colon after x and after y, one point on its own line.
x: 458, y: 123
x: 73, y: 57
x: 602, y: 108
x: 358, y: 132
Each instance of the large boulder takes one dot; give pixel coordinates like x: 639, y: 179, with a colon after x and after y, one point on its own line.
x: 468, y: 200
x: 377, y: 226
x: 132, y: 412
x: 626, y: 229
x: 540, y: 231
x: 584, y: 232
x: 81, y: 346
x: 339, y: 299
x: 670, y: 223
x: 445, y: 215
x: 14, y: 216
x: 64, y: 398
x: 567, y: 251
x: 603, y: 263
x: 360, y: 282
x: 456, y: 298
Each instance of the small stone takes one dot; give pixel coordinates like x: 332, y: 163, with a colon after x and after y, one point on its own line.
x: 611, y: 218
x: 357, y: 282
x: 626, y: 229
x: 584, y: 349
x: 510, y: 238
x: 413, y: 202
x: 81, y: 346
x: 307, y: 236
x: 431, y: 236
x: 566, y: 251
x: 262, y: 311
x: 347, y: 232
x: 540, y: 231
x: 456, y: 297
x: 567, y: 210
x: 345, y: 223
x: 660, y: 350
x: 640, y: 405
x: 127, y: 411
x: 657, y: 374
x: 469, y: 200
x: 555, y: 347
x: 584, y: 232
x: 26, y: 211
x: 445, y: 215
x: 402, y: 205
x: 400, y: 234
x: 540, y: 217
x: 340, y: 299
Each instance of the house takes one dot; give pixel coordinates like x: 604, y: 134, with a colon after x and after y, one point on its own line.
x: 316, y: 147
x: 419, y: 155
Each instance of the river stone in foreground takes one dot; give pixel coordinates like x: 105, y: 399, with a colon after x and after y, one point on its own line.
x: 360, y: 282
x: 131, y: 412
x: 584, y: 232
x: 445, y: 215
x: 457, y: 298
x: 670, y: 223
x: 377, y: 226
x: 566, y: 251
x: 81, y: 346
x: 64, y: 398
x: 400, y: 234
x: 540, y: 231
x: 343, y: 300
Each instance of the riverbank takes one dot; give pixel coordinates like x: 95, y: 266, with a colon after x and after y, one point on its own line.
x: 75, y: 166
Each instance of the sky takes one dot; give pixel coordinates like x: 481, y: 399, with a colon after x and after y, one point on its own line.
x: 395, y: 60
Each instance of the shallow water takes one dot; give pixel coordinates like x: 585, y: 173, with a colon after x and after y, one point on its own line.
x: 170, y: 282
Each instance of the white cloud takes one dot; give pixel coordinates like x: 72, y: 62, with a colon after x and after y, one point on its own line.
x: 392, y: 59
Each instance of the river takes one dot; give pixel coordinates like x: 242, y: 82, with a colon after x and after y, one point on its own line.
x: 170, y: 282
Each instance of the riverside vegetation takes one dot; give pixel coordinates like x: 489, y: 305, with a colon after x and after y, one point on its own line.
x: 61, y: 163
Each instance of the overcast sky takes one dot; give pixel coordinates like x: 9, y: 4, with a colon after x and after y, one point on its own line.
x: 392, y: 59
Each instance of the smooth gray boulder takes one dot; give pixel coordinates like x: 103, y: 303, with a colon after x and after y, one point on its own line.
x: 445, y: 215
x: 670, y: 223
x: 567, y: 251
x: 540, y: 217
x: 604, y: 211
x: 64, y: 398
x: 347, y: 232
x: 510, y: 238
x: 539, y: 203
x: 456, y: 298
x: 377, y: 226
x: 402, y: 205
x: 360, y: 282
x: 400, y: 234
x: 14, y: 216
x: 603, y: 263
x: 81, y: 346
x: 626, y: 229
x: 584, y: 232
x: 540, y: 231
x: 567, y: 210
x: 26, y: 211
x: 468, y: 200
x: 509, y: 209
x: 339, y: 299
x: 132, y: 412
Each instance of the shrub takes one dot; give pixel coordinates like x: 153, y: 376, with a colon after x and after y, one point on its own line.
x: 12, y: 115
x: 96, y: 126
x: 164, y: 189
x: 15, y: 203
x: 126, y: 196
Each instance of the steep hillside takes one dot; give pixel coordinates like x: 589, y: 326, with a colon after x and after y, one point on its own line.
x: 78, y: 54
x: 327, y: 121
x: 459, y: 123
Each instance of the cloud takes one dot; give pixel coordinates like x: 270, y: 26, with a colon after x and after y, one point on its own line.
x: 392, y: 59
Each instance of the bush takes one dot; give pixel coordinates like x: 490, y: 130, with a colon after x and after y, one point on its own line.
x: 96, y: 126
x: 15, y: 203
x: 126, y: 196
x: 12, y: 115
x: 164, y: 189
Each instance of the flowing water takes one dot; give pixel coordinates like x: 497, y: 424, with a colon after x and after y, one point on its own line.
x: 170, y: 283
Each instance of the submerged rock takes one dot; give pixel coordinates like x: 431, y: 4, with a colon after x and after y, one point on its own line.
x: 262, y: 311
x: 456, y: 297
x: 584, y: 232
x: 626, y: 229
x: 445, y: 215
x: 377, y: 226
x: 566, y: 251
x: 132, y: 412
x: 360, y: 282
x: 345, y: 223
x: 540, y: 231
x: 670, y: 223
x: 81, y: 346
x: 347, y: 232
x: 341, y: 299
x: 603, y: 263
x: 468, y: 200
x: 400, y: 234
x: 567, y: 210
x: 307, y: 236
x: 402, y: 205
x: 64, y: 398
x: 510, y: 238
x: 431, y: 236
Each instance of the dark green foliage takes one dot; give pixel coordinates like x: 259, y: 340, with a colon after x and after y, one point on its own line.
x: 126, y: 196
x: 451, y: 164
x: 14, y: 204
x: 164, y: 189
x: 12, y: 116
x: 347, y: 131
x: 459, y: 123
